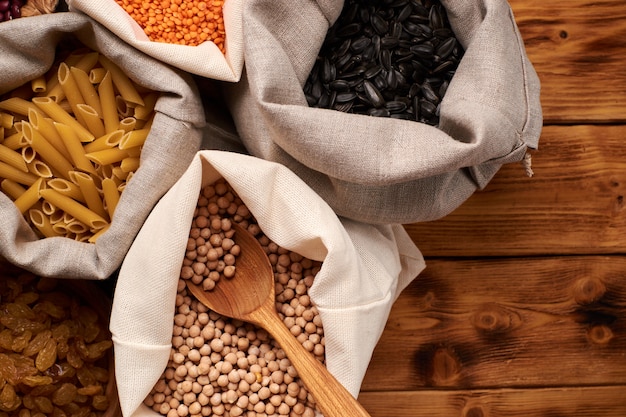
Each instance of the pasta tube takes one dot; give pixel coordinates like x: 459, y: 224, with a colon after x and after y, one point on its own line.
x: 28, y: 199
x: 90, y: 193
x: 12, y: 189
x: 41, y: 222
x: 56, y: 113
x: 74, y: 208
x: 75, y: 148
x: 121, y: 81
x: 45, y: 126
x: 12, y: 158
x: 111, y: 195
x: 91, y: 119
x: 46, y: 151
x: 87, y: 90
x: 9, y: 172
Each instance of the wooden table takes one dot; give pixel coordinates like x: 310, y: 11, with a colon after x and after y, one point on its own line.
x: 522, y: 308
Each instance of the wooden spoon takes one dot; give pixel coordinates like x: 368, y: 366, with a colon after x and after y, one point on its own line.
x: 249, y: 296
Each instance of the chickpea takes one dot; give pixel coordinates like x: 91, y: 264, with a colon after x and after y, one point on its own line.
x: 220, y: 366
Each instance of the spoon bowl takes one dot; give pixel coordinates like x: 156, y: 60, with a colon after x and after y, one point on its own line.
x: 249, y: 297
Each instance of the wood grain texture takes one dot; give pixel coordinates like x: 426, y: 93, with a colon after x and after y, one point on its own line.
x: 573, y: 204
x: 578, y: 49
x: 521, y: 311
x: 510, y: 322
x: 556, y: 402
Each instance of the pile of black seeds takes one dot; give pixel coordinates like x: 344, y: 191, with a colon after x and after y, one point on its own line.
x: 386, y: 58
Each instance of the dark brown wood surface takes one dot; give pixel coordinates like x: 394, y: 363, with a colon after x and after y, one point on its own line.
x: 521, y: 310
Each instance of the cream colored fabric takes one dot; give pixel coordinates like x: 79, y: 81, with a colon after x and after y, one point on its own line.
x: 27, y: 48
x: 381, y: 170
x: 364, y: 269
x: 205, y: 59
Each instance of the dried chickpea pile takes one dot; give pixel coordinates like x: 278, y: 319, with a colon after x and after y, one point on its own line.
x: 182, y: 22
x: 53, y: 351
x: 224, y: 367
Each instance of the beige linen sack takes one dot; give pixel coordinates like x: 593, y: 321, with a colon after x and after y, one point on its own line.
x: 205, y: 59
x: 381, y: 170
x: 27, y: 47
x: 364, y: 269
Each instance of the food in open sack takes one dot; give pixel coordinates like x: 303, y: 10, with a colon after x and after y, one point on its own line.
x: 179, y: 22
x: 55, y: 348
x: 386, y: 60
x: 383, y: 169
x: 219, y: 365
x: 29, y: 48
x: 70, y: 141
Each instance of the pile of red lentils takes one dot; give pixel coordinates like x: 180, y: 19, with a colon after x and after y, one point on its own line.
x: 224, y: 367
x: 182, y: 22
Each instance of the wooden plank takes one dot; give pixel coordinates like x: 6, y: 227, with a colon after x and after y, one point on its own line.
x: 574, y: 204
x: 557, y: 402
x: 525, y: 322
x: 577, y: 47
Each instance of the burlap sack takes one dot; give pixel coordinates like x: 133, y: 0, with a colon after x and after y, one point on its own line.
x: 205, y: 59
x: 381, y: 170
x: 364, y: 269
x: 27, y: 47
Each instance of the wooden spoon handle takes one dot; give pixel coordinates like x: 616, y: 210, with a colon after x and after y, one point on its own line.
x: 332, y: 398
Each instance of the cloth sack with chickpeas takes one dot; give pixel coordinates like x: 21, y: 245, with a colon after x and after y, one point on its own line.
x: 363, y: 269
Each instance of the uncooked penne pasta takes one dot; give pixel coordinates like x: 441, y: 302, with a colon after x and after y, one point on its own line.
x: 121, y: 81
x: 46, y: 151
x: 18, y: 105
x: 12, y: 158
x: 146, y: 111
x: 98, y: 233
x: 91, y: 119
x: 119, y: 174
x: 60, y: 228
x: 134, y: 138
x: 40, y: 168
x: 74, y: 208
x: 84, y: 62
x: 6, y: 121
x: 62, y: 160
x: 127, y: 124
x: 28, y: 154
x: 75, y: 148
x: 87, y: 90
x: 96, y: 75
x: 123, y: 107
x: 56, y: 113
x: 39, y: 85
x: 41, y: 222
x: 111, y: 195
x: 77, y: 227
x: 107, y: 141
x: 107, y: 156
x: 54, y: 91
x: 67, y: 188
x: 14, y: 174
x: 90, y: 192
x: 15, y: 141
x: 108, y: 104
x: 130, y: 164
x: 28, y: 199
x: 45, y: 126
x: 50, y: 209
x: 70, y: 88
x: 12, y: 189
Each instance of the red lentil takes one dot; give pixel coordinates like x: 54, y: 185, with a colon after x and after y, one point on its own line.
x: 182, y: 22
